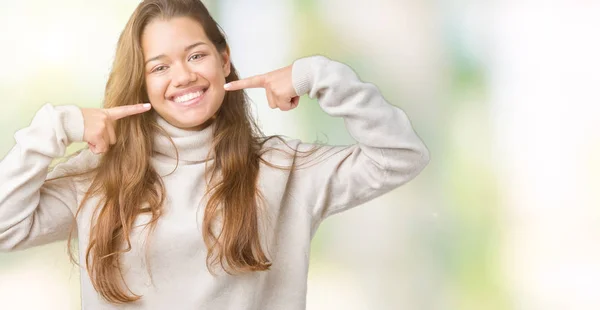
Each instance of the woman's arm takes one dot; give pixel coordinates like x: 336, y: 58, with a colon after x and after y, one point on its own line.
x: 34, y: 211
x: 388, y: 152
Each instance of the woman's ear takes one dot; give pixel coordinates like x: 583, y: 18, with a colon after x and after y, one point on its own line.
x: 226, y: 62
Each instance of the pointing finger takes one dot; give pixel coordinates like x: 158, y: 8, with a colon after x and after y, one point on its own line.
x: 257, y: 81
x: 127, y: 110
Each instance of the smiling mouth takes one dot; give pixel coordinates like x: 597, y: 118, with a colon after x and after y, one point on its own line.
x: 190, y: 99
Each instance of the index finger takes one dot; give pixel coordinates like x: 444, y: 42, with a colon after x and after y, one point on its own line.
x: 257, y: 81
x: 127, y: 110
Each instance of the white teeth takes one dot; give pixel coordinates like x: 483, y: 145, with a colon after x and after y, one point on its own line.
x: 188, y: 97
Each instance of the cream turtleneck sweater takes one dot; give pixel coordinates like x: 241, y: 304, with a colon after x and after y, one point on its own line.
x: 388, y: 153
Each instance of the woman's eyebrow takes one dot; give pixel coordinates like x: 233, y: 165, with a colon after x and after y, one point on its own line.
x: 185, y: 49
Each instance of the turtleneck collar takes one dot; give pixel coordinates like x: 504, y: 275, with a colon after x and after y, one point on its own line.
x: 193, y: 146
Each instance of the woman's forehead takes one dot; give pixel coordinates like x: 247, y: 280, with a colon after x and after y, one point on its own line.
x: 175, y: 31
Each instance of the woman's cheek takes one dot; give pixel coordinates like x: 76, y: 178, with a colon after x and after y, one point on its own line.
x: 207, y: 70
x: 156, y: 88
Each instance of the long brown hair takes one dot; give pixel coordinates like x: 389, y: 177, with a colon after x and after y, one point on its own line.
x: 125, y: 180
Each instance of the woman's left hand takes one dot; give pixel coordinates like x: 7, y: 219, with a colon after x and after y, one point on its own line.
x: 278, y: 85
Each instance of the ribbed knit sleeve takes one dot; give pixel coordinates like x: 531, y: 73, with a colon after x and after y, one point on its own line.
x: 387, y: 152
x: 34, y: 211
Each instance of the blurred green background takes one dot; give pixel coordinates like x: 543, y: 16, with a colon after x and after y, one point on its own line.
x: 504, y: 217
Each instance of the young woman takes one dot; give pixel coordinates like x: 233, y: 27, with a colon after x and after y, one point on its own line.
x: 183, y: 203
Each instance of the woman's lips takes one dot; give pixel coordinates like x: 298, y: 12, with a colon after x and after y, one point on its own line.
x: 191, y: 102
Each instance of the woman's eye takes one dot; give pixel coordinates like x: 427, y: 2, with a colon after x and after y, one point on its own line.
x: 196, y: 56
x: 159, y: 68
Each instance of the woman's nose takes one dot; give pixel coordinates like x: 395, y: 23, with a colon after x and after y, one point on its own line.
x: 183, y: 76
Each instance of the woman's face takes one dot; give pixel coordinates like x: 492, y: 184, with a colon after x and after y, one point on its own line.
x: 184, y: 72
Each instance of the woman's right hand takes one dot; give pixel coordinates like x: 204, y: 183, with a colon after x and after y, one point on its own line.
x: 99, y: 131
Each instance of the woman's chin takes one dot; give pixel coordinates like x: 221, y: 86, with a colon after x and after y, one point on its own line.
x: 190, y: 119
x: 197, y: 124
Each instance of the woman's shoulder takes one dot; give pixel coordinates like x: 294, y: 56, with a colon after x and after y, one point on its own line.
x: 279, y: 150
x: 284, y: 150
x: 278, y: 142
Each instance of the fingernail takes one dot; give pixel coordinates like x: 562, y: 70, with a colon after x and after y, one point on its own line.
x: 146, y: 105
x: 226, y: 86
